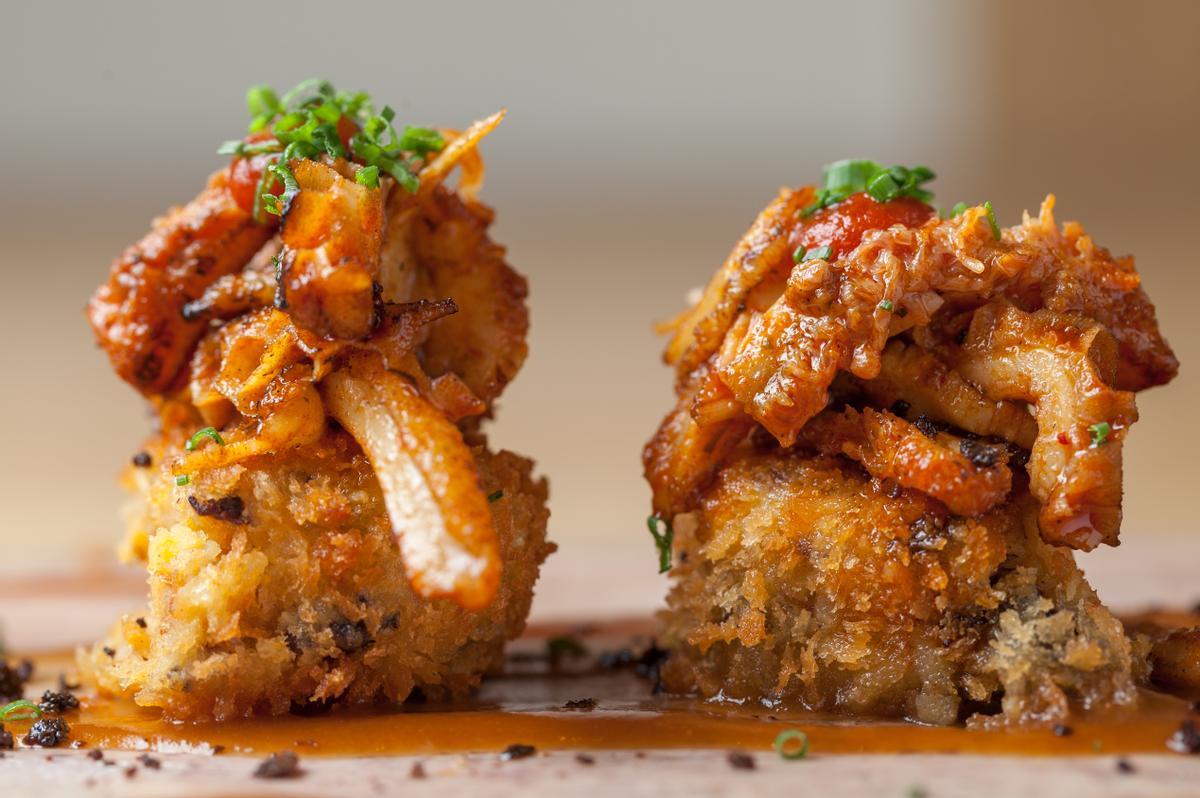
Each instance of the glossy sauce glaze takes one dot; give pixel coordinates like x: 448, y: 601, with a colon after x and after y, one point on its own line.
x: 527, y: 704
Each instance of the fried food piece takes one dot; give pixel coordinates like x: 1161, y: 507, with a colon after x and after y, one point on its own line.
x: 137, y: 315
x: 276, y: 584
x: 800, y: 579
x: 890, y: 448
x: 1064, y: 365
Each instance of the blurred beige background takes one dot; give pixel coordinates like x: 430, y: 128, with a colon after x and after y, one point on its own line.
x: 642, y: 139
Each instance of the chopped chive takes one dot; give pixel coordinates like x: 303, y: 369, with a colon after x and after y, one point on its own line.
x: 368, y: 176
x: 887, y: 305
x: 791, y: 744
x: 820, y: 253
x: 991, y: 217
x: 182, y: 480
x: 1100, y: 432
x: 495, y: 496
x: 23, y: 709
x: 798, y: 255
x: 882, y: 183
x: 207, y: 432
x: 662, y: 540
x: 958, y: 208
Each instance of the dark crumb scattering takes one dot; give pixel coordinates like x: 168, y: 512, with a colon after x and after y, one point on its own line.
x: 283, y: 765
x: 95, y: 754
x: 585, y: 704
x: 1062, y: 730
x: 48, y: 733
x: 150, y: 762
x: 141, y: 622
x: 928, y: 427
x: 517, y: 751
x: 227, y: 508
x: 6, y: 738
x: 418, y: 771
x: 142, y: 460
x: 1125, y: 766
x: 740, y: 760
x: 1186, y: 739
x: 54, y: 703
x: 980, y: 454
x: 12, y: 680
x: 585, y: 759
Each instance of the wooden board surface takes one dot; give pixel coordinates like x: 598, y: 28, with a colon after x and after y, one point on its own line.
x: 73, y: 606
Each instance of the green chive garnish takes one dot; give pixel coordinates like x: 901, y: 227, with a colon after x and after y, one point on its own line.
x: 791, y: 744
x: 662, y: 540
x: 958, y: 208
x: 798, y: 255
x: 20, y: 710
x: 820, y: 253
x: 207, y: 432
x: 887, y: 305
x: 883, y: 183
x: 495, y: 496
x: 991, y: 217
x: 368, y: 176
x: 182, y: 480
x: 1100, y: 433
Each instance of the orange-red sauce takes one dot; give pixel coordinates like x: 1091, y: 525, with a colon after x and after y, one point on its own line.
x: 842, y: 226
x: 526, y: 705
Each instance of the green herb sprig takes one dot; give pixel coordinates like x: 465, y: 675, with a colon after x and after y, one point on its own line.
x: 20, y: 710
x: 304, y: 124
x: 883, y: 183
x: 495, y: 496
x: 208, y: 432
x: 663, y: 540
x: 791, y: 744
x: 1099, y: 433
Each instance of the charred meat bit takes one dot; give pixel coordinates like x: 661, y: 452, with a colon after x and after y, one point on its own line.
x: 142, y: 460
x: 54, y: 703
x: 282, y: 765
x: 517, y: 751
x: 228, y: 508
x: 740, y: 760
x: 980, y: 454
x: 48, y: 733
x: 1186, y: 739
x: 350, y: 637
x: 13, y: 679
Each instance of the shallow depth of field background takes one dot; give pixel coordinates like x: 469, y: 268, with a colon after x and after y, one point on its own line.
x: 642, y: 138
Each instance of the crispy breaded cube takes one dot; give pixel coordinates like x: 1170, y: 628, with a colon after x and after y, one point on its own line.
x: 801, y: 580
x: 277, y: 584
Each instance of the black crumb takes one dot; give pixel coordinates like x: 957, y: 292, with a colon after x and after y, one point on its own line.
x: 227, y: 508
x: 65, y: 686
x: 740, y: 760
x: 517, y: 751
x: 6, y: 738
x: 55, y: 703
x: 283, y: 765
x: 1062, y: 730
x: 218, y: 749
x: 12, y: 680
x: 585, y: 759
x: 142, y: 460
x: 95, y: 754
x: 1125, y: 766
x: 901, y: 408
x: 141, y: 622
x: 584, y: 704
x: 109, y: 652
x: 350, y: 637
x: 418, y: 771
x: 150, y: 762
x: 131, y: 771
x: 1186, y: 739
x: 48, y: 733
